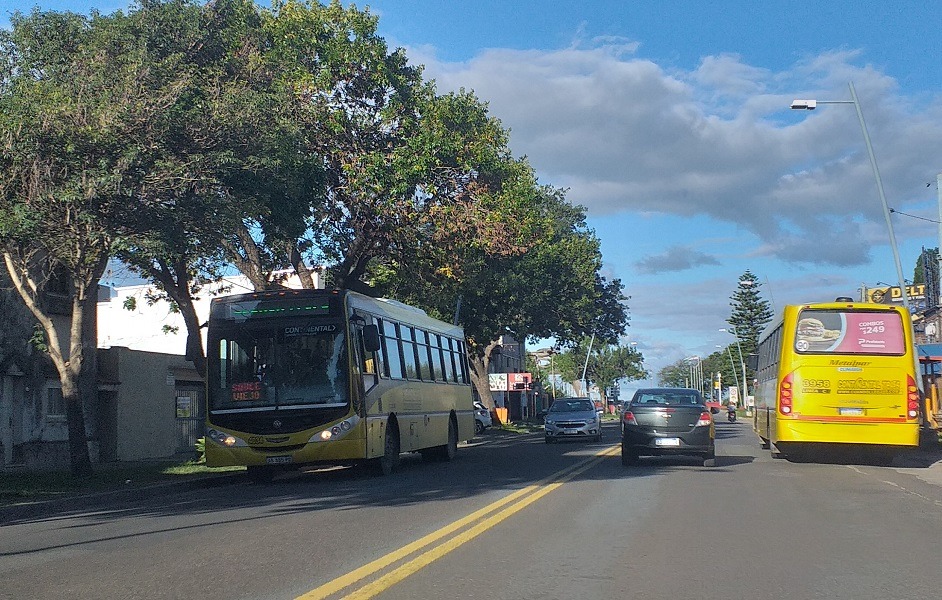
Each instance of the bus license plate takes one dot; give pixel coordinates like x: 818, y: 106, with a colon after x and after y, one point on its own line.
x: 278, y: 460
x: 667, y: 442
x: 850, y: 412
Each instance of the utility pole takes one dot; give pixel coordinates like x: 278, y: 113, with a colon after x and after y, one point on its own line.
x: 938, y: 188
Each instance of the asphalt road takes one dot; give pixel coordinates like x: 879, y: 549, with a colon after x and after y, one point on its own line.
x: 511, y: 517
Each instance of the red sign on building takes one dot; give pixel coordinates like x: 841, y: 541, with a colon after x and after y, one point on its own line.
x: 519, y: 381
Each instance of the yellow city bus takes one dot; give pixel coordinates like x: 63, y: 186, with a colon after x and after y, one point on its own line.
x: 837, y: 375
x: 306, y: 377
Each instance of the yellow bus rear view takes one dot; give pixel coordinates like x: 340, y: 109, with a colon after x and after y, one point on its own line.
x: 837, y: 374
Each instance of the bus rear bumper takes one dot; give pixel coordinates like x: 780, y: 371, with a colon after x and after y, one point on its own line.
x: 883, y: 434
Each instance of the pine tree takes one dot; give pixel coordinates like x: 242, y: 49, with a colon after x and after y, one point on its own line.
x: 751, y: 313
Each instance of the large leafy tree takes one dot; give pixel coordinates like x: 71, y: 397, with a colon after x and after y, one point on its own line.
x: 356, y: 105
x: 611, y: 362
x: 606, y: 363
x: 78, y: 95
x: 547, y: 286
x: 237, y: 114
x: 676, y: 374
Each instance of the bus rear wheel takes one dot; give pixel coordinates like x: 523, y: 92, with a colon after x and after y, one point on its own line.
x: 450, y: 449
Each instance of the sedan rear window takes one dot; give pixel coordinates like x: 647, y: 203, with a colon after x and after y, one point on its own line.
x: 668, y: 399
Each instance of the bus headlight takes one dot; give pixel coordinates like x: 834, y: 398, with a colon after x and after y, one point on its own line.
x: 335, y: 432
x: 224, y: 439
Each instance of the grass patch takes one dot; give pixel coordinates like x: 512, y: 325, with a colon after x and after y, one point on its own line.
x: 31, y: 486
x: 520, y: 427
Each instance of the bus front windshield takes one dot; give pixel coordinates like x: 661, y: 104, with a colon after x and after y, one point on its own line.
x: 289, y: 366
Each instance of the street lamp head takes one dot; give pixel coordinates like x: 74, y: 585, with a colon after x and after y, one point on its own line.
x: 804, y: 104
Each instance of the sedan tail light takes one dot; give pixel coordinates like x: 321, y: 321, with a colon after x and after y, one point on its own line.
x: 629, y: 418
x: 705, y: 419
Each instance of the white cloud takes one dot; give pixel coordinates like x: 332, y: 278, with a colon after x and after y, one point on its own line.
x: 675, y: 258
x: 625, y: 136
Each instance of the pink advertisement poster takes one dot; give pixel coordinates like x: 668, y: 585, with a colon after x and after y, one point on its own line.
x: 849, y: 332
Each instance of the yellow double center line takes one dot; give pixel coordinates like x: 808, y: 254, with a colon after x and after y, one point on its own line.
x: 517, y: 500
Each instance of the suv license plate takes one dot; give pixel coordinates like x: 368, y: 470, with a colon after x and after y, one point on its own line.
x: 278, y: 460
x: 667, y: 442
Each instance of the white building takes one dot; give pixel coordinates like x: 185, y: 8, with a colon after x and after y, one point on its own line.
x: 156, y: 327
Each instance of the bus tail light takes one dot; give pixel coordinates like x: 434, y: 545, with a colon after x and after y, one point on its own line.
x: 785, y: 395
x: 912, y: 398
x: 629, y: 418
x: 705, y: 419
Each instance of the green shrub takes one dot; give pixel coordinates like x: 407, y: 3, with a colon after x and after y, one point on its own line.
x: 200, y: 446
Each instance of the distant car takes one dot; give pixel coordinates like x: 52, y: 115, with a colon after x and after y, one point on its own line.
x: 482, y: 418
x: 667, y: 421
x: 572, y: 418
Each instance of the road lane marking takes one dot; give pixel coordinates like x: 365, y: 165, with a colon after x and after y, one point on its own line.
x: 520, y: 499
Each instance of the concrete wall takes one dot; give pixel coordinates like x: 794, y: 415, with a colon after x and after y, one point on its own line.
x: 143, y: 402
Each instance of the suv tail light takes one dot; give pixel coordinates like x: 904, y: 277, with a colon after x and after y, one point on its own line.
x: 912, y: 398
x: 785, y: 395
x: 629, y: 418
x: 705, y: 419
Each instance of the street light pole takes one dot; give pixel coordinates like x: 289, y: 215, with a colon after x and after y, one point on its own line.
x: 938, y: 189
x: 696, y: 373
x: 553, y: 371
x: 810, y: 105
x: 742, y: 362
x: 732, y: 363
x: 585, y: 367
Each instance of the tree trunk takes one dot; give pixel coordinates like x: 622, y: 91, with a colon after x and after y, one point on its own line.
x: 249, y: 260
x: 175, y: 282
x: 71, y: 373
x: 479, y: 364
x: 194, y: 338
x: 79, y: 459
x: 305, y: 274
x: 480, y: 382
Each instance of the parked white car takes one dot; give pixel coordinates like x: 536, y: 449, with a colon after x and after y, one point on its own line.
x: 482, y: 418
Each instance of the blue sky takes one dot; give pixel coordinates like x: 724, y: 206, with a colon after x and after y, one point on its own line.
x: 670, y: 122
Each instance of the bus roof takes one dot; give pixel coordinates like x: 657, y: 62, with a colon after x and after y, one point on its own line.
x: 393, y: 309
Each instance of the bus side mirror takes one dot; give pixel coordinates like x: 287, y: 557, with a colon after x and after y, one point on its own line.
x: 371, y: 338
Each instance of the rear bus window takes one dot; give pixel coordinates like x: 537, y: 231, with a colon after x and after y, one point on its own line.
x: 849, y: 332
